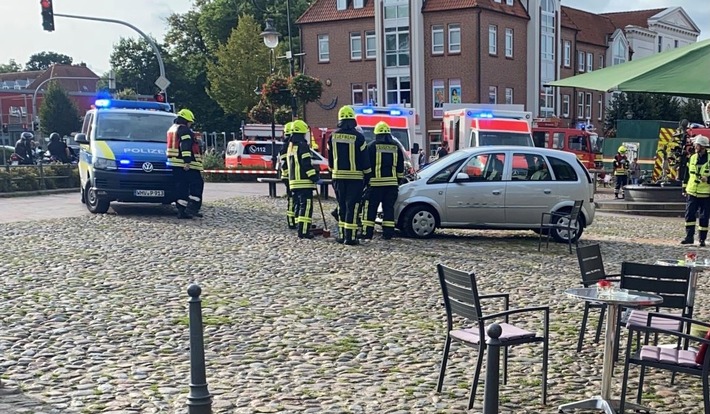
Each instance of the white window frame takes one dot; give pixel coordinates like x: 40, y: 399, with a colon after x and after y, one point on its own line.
x: 437, y: 85
x: 370, y: 53
x: 590, y: 62
x: 601, y: 107
x: 399, y: 90
x: 371, y: 94
x: 508, y: 96
x: 492, y: 39
x: 356, y: 40
x: 509, y: 2
x: 455, y: 84
x: 588, y: 106
x: 437, y: 48
x: 357, y: 88
x: 565, y: 106
x: 580, y: 105
x: 358, y: 4
x: 580, y: 61
x: 454, y: 47
x: 341, y: 5
x: 601, y: 61
x: 508, y: 42
x: 493, y: 90
x: 398, y: 33
x: 323, y: 48
x: 567, y: 53
x: 618, y: 52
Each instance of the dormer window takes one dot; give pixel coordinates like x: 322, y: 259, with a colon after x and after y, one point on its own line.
x: 358, y: 4
x: 342, y: 4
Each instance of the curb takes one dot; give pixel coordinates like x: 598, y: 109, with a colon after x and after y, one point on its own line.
x: 39, y: 192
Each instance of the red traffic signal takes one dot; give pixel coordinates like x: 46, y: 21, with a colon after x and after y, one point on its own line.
x: 160, y: 97
x: 47, y: 15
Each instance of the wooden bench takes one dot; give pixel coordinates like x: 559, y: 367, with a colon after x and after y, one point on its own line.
x: 324, y: 186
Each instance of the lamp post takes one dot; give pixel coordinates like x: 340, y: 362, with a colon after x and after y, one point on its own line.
x: 271, y: 40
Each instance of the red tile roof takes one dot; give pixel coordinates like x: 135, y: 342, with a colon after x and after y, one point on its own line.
x: 516, y: 9
x: 13, y: 76
x: 565, y: 21
x: 632, y: 18
x: 593, y: 28
x: 69, y: 85
x: 327, y: 11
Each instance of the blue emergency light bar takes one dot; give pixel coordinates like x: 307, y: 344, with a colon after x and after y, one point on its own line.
x: 390, y: 111
x: 479, y: 114
x: 121, y: 104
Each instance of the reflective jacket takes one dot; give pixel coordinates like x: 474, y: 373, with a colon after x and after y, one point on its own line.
x: 347, y: 156
x: 698, y: 167
x: 301, y: 174
x: 283, y: 155
x: 621, y: 165
x: 183, y: 148
x: 387, y: 161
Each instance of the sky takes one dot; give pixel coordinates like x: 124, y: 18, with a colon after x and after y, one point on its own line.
x: 92, y: 42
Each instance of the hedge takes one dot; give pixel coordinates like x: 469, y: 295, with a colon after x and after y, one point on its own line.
x: 28, y: 178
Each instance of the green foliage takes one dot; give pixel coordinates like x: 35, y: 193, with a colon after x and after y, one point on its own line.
x: 58, y: 113
x: 306, y: 88
x: 282, y: 114
x: 276, y: 90
x: 10, y: 67
x: 691, y: 111
x: 43, y: 60
x: 126, y: 93
x: 260, y: 113
x: 212, y: 160
x: 646, y: 106
x: 28, y: 178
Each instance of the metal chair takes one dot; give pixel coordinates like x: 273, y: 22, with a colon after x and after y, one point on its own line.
x: 568, y: 221
x: 461, y: 298
x: 591, y: 266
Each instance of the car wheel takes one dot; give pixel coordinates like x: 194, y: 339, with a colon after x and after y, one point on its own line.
x: 95, y: 204
x: 420, y: 222
x: 562, y: 235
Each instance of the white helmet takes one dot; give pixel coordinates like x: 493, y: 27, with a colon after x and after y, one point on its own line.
x: 702, y: 141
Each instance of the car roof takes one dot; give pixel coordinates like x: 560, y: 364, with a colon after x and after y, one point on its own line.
x: 132, y: 111
x: 520, y: 148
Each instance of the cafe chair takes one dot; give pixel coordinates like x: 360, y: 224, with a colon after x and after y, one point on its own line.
x: 591, y: 266
x: 690, y: 362
x: 462, y: 299
x: 568, y: 221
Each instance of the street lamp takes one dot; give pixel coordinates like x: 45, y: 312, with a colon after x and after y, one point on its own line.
x: 271, y: 40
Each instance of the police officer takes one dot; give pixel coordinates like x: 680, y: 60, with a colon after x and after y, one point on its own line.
x: 697, y: 189
x: 302, y: 178
x: 387, y: 162
x: 621, y: 171
x: 350, y: 166
x: 24, y: 150
x: 185, y: 158
x: 283, y: 155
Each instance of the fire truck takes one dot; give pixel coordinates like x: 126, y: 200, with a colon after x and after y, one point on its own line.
x: 481, y: 125
x: 402, y: 122
x: 583, y: 141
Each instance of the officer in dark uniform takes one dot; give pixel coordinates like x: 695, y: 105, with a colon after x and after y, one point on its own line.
x: 185, y: 158
x: 387, y: 162
x: 302, y: 178
x: 283, y: 155
x: 350, y: 166
x: 24, y: 150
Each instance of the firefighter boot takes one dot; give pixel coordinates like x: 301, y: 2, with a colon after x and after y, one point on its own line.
x: 350, y: 239
x: 341, y: 234
x: 703, y: 234
x: 387, y: 233
x: 182, y: 212
x: 689, y: 236
x: 193, y: 208
x: 304, y: 232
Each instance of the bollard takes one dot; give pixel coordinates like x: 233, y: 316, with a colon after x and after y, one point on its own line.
x: 199, y: 401
x: 490, y: 396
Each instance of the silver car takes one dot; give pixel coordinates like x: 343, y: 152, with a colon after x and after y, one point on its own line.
x: 501, y: 187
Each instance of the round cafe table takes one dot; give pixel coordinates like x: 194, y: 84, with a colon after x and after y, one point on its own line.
x: 695, y: 269
x: 631, y: 298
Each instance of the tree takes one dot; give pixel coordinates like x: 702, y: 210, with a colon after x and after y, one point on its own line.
x: 135, y: 65
x: 691, y: 111
x: 58, y: 113
x: 10, y: 67
x: 43, y: 60
x: 128, y: 94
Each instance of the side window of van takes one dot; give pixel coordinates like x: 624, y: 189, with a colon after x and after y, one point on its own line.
x: 558, y: 140
x: 563, y: 171
x: 541, y: 138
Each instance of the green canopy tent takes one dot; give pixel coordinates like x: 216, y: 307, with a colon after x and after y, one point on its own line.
x: 680, y: 72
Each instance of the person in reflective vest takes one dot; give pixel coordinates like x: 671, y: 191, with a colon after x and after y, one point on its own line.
x: 387, y: 162
x: 283, y: 155
x: 185, y: 159
x: 350, y: 166
x: 621, y: 171
x: 302, y: 178
x: 697, y: 191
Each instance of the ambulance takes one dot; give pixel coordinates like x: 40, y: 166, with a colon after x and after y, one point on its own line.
x: 401, y: 121
x: 483, y: 125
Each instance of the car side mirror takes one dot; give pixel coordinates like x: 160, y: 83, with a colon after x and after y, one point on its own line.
x: 462, y: 177
x: 81, y: 139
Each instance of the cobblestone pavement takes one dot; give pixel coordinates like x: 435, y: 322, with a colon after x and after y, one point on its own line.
x: 100, y: 324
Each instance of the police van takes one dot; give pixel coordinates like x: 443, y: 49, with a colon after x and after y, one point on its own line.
x: 122, y: 154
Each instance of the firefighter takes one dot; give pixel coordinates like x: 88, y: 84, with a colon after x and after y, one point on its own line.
x: 697, y: 190
x: 387, y: 162
x: 185, y: 159
x: 283, y: 155
x: 302, y: 178
x: 621, y: 171
x: 350, y: 166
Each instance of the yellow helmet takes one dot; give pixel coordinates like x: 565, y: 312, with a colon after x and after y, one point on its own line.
x: 187, y: 115
x: 382, y: 128
x: 299, y: 127
x: 622, y: 150
x: 288, y: 128
x: 346, y: 112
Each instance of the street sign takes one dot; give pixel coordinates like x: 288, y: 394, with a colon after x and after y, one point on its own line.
x: 162, y: 82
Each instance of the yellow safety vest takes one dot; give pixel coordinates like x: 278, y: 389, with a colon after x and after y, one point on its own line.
x: 695, y: 187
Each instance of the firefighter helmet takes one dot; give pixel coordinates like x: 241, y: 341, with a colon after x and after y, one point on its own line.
x: 382, y: 128
x: 299, y: 127
x: 346, y: 112
x: 288, y: 128
x: 622, y: 150
x: 701, y: 140
x: 187, y: 115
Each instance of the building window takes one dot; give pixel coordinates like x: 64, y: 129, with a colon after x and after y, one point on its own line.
x: 509, y: 43
x: 675, y: 42
x: 358, y: 4
x: 370, y: 45
x: 580, y: 61
x: 580, y: 105
x: 601, y: 61
x: 601, y: 107
x: 355, y: 46
x: 358, y: 94
x: 493, y: 39
x: 454, y: 38
x: 492, y: 95
x: 396, y: 46
x: 397, y: 12
x: 497, y: 1
x: 660, y: 44
x: 323, y: 48
x: 398, y: 90
x: 455, y: 91
x: 547, y: 102
x: 619, y: 52
x: 509, y: 2
x: 590, y: 62
x: 588, y: 106
x: 509, y: 96
x: 438, y: 97
x: 565, y: 106
x: 437, y: 40
x: 342, y: 4
x: 548, y: 59
x: 372, y: 94
x: 567, y: 52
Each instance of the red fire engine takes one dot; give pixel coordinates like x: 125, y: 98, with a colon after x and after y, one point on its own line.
x: 585, y: 143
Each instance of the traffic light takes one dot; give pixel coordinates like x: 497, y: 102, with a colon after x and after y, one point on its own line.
x: 35, y: 126
x: 47, y: 15
x: 4, y: 128
x: 160, y: 97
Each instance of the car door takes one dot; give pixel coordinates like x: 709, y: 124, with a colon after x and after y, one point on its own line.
x: 476, y: 194
x: 531, y: 190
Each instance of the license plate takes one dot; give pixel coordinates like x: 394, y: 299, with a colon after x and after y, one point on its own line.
x: 150, y: 193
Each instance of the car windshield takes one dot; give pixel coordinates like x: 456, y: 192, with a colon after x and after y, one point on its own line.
x: 487, y: 138
x: 402, y: 136
x: 138, y: 126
